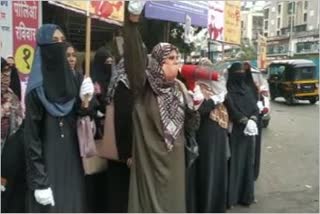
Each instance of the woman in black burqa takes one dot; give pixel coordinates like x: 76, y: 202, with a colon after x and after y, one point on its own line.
x: 243, y: 112
x: 54, y: 168
x: 211, y: 166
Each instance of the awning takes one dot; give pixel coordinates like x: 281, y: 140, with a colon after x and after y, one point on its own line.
x: 176, y: 11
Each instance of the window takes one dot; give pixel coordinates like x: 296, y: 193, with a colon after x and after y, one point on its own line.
x: 278, y: 32
x: 279, y: 8
x: 266, y: 25
x: 266, y: 13
x: 241, y: 24
x: 289, y: 22
x: 277, y: 69
x: 291, y: 7
x: 305, y: 5
x: 301, y: 28
x: 265, y: 34
x: 307, y: 47
x: 278, y: 23
x: 284, y: 31
x: 305, y: 16
x: 304, y: 73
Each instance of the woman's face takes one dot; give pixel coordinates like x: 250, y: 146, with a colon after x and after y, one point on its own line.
x: 58, y: 36
x: 71, y: 57
x: 5, y: 78
x: 171, y: 66
x: 109, y: 61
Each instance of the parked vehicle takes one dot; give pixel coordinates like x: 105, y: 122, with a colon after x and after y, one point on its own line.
x: 294, y: 80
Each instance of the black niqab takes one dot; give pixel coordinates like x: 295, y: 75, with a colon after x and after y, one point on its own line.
x: 101, y: 72
x: 58, y: 80
x: 238, y: 91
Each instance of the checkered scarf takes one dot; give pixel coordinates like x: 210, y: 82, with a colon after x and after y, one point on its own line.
x: 118, y: 75
x: 169, y: 97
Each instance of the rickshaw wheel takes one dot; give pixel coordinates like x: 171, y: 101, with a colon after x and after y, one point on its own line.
x: 313, y: 101
x: 289, y: 100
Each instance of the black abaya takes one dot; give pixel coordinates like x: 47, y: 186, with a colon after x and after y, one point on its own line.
x: 118, y: 172
x: 53, y: 158
x: 14, y: 170
x: 211, y: 164
x: 241, y: 172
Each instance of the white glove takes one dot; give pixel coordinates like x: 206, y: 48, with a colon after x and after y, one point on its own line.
x: 3, y: 188
x: 197, y: 96
x: 251, y: 128
x: 260, y: 106
x: 135, y: 7
x: 218, y: 98
x: 86, y: 89
x: 44, y: 196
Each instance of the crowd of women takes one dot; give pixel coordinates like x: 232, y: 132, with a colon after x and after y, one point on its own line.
x: 176, y: 149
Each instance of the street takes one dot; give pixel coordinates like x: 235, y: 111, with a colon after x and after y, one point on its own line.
x: 289, y: 175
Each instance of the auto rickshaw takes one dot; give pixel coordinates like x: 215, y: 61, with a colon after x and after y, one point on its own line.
x: 294, y: 80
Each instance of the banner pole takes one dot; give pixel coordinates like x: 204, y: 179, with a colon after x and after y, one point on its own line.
x: 88, y: 50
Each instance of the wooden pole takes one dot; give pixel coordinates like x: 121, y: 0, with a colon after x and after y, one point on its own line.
x: 88, y: 51
x: 88, y: 47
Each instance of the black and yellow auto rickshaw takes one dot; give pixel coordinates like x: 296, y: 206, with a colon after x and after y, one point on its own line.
x: 294, y: 80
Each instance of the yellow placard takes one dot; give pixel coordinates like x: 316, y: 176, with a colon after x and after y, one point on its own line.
x: 23, y: 58
x: 232, y: 22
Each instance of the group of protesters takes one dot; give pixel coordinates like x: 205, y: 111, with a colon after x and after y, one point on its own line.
x: 176, y: 148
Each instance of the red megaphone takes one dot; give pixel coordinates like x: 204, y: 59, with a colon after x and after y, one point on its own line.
x: 192, y: 73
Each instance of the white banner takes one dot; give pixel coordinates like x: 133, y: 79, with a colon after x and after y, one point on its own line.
x: 6, y: 41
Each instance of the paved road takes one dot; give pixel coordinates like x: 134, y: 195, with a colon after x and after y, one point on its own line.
x: 289, y: 178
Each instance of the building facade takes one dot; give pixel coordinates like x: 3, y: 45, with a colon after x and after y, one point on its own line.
x: 251, y: 25
x: 292, y: 28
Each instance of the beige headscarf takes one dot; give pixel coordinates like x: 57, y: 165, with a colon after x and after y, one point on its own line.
x: 209, y: 88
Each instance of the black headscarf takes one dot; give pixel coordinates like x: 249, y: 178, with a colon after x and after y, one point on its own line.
x: 101, y: 72
x: 249, y: 80
x: 15, y: 82
x: 236, y: 80
x: 238, y: 91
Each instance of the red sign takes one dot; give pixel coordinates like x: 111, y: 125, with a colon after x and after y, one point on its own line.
x: 25, y: 18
